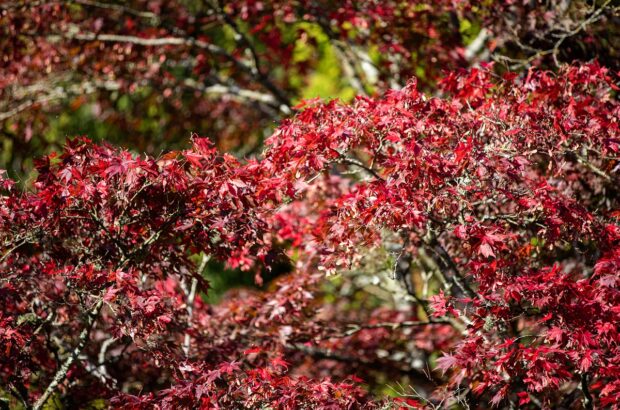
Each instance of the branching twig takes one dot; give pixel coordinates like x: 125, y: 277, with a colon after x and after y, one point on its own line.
x: 447, y: 264
x: 554, y: 51
x: 351, y: 161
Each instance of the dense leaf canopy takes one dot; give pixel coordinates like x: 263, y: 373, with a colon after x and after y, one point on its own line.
x: 441, y: 230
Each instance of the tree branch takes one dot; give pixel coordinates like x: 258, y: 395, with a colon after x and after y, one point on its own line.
x: 117, y: 7
x: 357, y: 327
x: 62, y: 372
x: 587, y: 397
x: 191, y: 295
x: 554, y: 51
x: 55, y: 93
x: 448, y: 266
x: 351, y: 161
x: 188, y: 42
x: 319, y: 353
x: 92, y: 317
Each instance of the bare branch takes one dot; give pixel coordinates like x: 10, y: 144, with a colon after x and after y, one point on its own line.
x: 587, y: 397
x: 117, y: 7
x: 22, y: 4
x: 475, y: 46
x: 56, y: 93
x: 448, y: 266
x: 187, y: 42
x: 190, y: 302
x: 554, y: 51
x: 352, y: 161
x: 357, y: 327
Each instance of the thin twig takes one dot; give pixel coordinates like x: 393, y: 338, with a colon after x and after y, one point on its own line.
x: 351, y: 161
x: 117, y: 7
x: 357, y: 327
x: 190, y: 302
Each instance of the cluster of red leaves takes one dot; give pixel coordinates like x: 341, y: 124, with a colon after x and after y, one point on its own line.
x: 508, y: 186
x: 230, y: 387
x: 108, y: 234
x: 57, y: 53
x: 96, y: 259
x: 512, y: 185
x: 37, y: 46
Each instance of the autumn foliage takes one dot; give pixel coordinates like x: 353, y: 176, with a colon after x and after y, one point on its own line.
x: 456, y: 239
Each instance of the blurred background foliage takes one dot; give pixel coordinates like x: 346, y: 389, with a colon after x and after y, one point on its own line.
x: 156, y: 123
x: 60, y: 77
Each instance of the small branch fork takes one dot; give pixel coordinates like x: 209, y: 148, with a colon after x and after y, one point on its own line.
x: 441, y: 257
x: 354, y: 162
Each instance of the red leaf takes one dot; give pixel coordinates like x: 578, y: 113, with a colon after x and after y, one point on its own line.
x: 446, y: 362
x: 486, y: 250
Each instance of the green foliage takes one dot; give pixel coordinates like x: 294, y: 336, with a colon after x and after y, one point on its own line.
x: 326, y: 80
